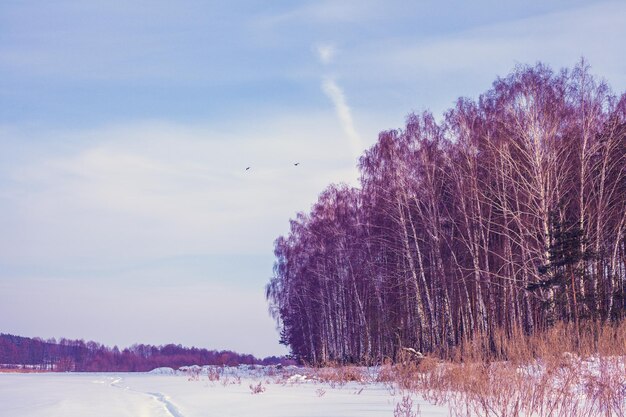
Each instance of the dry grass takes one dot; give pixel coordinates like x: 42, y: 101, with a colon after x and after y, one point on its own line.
x: 338, y: 375
x: 499, y: 389
x: 557, y: 374
x: 585, y: 340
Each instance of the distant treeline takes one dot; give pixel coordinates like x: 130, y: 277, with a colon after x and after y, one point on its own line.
x: 81, y: 356
x: 503, y: 217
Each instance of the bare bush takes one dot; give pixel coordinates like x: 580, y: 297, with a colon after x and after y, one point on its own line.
x: 405, y: 408
x: 257, y: 389
x: 213, y: 374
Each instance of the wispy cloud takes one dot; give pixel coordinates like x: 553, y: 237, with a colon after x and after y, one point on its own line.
x: 108, y: 192
x: 558, y: 38
x: 328, y: 11
x: 344, y: 113
x: 325, y: 53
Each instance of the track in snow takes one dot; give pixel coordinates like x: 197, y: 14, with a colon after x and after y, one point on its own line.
x: 170, y: 408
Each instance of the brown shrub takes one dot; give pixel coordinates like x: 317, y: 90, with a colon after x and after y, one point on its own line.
x: 340, y: 374
x: 565, y: 371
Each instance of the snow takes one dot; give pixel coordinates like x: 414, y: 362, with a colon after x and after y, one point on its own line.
x: 168, y: 393
x: 163, y: 371
x: 294, y: 379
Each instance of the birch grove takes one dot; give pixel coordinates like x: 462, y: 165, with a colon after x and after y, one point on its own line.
x: 507, y: 215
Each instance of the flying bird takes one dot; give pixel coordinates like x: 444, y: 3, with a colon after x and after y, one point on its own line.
x: 296, y: 164
x: 247, y: 168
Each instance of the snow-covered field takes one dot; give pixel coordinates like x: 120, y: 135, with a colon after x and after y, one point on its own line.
x: 195, y: 394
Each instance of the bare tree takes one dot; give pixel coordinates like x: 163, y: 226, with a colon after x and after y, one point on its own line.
x: 508, y: 215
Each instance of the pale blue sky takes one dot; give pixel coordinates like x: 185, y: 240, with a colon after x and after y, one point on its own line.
x: 125, y: 128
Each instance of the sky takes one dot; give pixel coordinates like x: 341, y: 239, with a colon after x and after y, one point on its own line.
x: 127, y: 214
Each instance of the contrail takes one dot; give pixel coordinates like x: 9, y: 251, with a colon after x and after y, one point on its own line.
x: 336, y: 95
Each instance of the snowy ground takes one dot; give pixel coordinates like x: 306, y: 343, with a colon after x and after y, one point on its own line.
x: 192, y: 394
